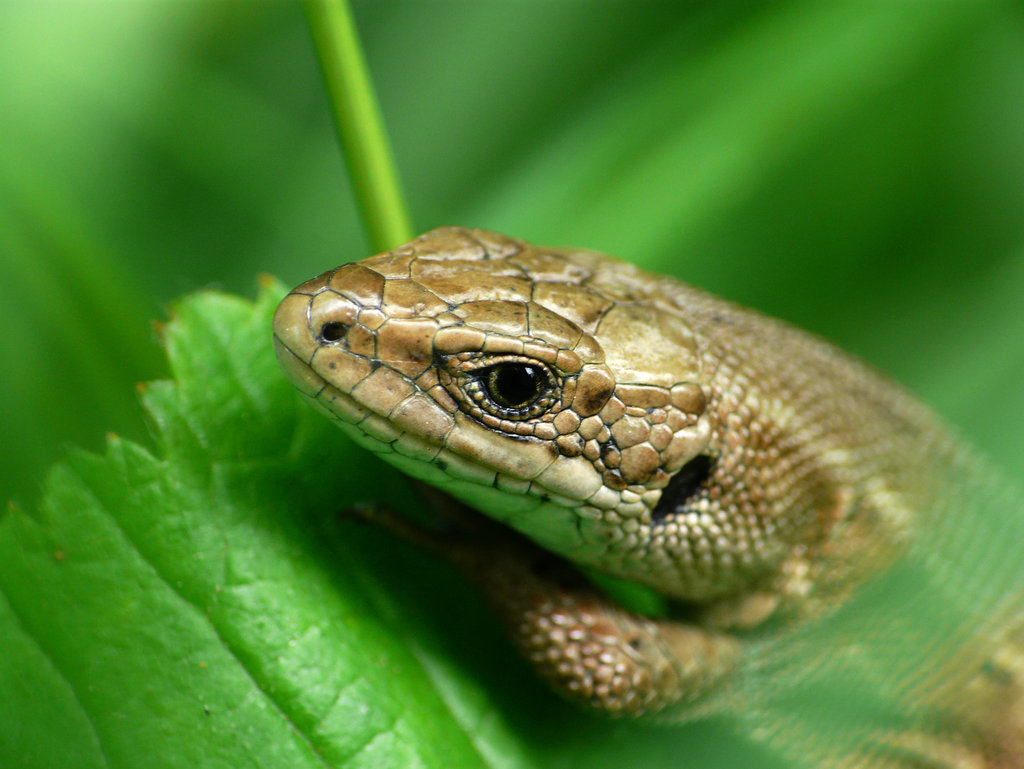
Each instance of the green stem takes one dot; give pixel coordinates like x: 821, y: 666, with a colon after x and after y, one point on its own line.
x: 360, y: 128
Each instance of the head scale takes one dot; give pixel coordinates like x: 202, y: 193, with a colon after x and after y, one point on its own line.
x: 523, y: 380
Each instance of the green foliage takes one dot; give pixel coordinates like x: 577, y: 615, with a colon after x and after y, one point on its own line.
x: 186, y: 607
x: 854, y: 167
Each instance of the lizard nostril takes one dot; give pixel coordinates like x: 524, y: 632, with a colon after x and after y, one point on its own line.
x: 332, y: 331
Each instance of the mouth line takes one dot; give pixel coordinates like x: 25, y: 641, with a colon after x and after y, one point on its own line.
x: 378, y: 434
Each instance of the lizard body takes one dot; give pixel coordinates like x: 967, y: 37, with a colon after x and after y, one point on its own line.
x: 644, y: 429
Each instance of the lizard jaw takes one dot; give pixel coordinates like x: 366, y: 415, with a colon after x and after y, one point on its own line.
x: 528, y: 505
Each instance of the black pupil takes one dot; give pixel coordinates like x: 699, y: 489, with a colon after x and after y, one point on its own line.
x: 515, y: 386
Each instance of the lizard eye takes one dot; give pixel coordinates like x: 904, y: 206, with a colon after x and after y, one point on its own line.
x: 515, y: 385
x: 514, y: 389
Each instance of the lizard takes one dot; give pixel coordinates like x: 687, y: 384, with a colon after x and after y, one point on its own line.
x: 604, y: 418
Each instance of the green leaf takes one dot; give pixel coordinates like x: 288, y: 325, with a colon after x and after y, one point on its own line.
x: 199, y: 605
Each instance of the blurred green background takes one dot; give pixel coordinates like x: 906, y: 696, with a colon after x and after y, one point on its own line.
x: 857, y: 168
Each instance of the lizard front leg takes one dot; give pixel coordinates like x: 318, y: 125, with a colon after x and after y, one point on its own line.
x: 588, y: 648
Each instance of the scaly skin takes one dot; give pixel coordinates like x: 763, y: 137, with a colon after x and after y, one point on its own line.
x: 640, y: 427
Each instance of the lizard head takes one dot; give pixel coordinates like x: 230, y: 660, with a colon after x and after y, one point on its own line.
x: 551, y: 389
